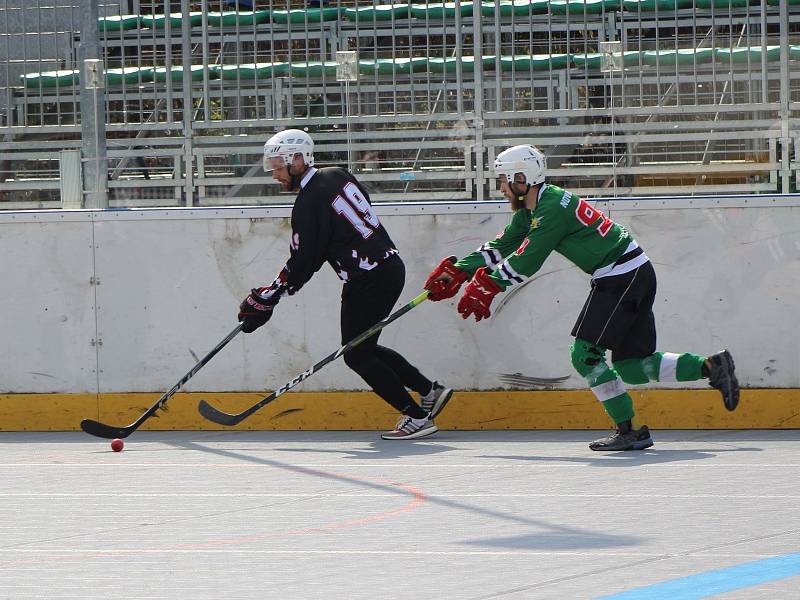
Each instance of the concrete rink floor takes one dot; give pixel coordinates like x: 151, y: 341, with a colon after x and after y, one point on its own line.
x: 344, y: 515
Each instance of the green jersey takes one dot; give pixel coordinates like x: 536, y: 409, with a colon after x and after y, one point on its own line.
x: 562, y: 222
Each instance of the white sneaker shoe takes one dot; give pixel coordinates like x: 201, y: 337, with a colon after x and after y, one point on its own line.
x: 408, y: 428
x: 436, y: 399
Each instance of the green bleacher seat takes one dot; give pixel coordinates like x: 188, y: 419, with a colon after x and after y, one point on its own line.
x: 389, y: 66
x: 437, y: 11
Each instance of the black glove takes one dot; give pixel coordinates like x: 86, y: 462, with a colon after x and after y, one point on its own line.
x: 256, y: 309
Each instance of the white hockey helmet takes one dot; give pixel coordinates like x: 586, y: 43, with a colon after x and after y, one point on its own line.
x: 525, y: 159
x: 286, y: 144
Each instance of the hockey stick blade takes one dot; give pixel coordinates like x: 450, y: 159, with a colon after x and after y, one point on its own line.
x: 217, y: 416
x: 222, y: 418
x: 102, y: 430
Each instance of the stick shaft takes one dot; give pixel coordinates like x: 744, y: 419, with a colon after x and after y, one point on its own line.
x: 222, y: 418
x: 103, y: 430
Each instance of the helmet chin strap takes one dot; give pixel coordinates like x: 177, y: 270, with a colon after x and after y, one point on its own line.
x: 519, y: 198
x: 520, y: 202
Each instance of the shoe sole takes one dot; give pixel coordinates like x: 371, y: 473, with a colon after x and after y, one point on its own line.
x: 413, y: 436
x: 439, y: 405
x: 732, y: 402
x: 641, y: 445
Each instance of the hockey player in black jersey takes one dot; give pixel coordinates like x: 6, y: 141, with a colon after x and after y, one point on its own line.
x: 333, y: 221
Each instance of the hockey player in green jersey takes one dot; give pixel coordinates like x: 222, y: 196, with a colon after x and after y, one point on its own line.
x: 617, y: 315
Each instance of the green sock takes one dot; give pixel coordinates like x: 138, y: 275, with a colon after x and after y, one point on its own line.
x: 619, y: 408
x: 661, y: 366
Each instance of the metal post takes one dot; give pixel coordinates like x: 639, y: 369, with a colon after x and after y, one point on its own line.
x: 477, y: 44
x: 69, y: 170
x: 764, y: 67
x: 612, y: 61
x: 784, y: 100
x: 93, y: 110
x: 188, y: 146
x: 347, y: 71
x: 797, y: 163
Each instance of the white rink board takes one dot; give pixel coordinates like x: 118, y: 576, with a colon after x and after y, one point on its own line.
x: 170, y: 282
x: 47, y: 310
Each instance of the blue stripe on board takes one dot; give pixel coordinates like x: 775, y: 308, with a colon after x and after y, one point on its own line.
x: 711, y: 583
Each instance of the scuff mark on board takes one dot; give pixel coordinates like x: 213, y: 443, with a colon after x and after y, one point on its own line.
x: 288, y: 411
x: 506, y: 298
x: 519, y: 380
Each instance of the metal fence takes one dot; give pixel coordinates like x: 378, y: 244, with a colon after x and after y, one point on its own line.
x: 625, y: 96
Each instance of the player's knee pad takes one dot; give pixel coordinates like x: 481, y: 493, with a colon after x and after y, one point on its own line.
x: 586, y: 357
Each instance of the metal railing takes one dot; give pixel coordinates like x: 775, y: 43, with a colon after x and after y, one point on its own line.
x: 690, y: 101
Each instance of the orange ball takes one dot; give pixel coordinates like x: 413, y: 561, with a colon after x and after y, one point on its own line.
x: 117, y: 445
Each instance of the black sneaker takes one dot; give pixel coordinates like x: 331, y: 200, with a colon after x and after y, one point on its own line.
x: 624, y: 438
x: 722, y: 377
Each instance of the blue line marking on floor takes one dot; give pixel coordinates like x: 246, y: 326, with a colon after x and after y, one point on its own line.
x: 711, y: 583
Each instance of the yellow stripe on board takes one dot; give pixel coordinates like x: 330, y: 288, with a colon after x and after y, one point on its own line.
x: 561, y: 409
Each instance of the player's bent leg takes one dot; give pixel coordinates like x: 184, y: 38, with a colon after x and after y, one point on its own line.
x: 414, y: 421
x: 589, y: 360
x: 668, y: 366
x: 660, y: 366
x: 433, y: 395
x: 407, y: 373
x: 383, y: 381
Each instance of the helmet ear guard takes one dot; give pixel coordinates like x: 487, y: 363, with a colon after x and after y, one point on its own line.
x: 285, y: 144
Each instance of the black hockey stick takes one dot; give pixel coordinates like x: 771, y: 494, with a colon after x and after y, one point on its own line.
x: 223, y: 418
x: 110, y: 431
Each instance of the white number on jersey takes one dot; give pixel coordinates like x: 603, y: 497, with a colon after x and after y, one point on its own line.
x: 354, y: 207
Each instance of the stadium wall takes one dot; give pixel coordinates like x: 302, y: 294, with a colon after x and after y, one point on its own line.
x: 105, y: 310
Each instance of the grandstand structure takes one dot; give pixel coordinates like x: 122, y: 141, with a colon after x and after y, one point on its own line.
x: 626, y: 97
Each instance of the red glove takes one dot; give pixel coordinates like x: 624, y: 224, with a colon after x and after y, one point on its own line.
x: 445, y: 280
x: 478, y: 295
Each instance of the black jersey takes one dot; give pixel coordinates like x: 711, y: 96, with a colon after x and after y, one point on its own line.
x: 333, y: 221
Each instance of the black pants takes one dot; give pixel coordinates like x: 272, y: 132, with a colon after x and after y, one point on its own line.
x: 365, y: 301
x: 618, y: 314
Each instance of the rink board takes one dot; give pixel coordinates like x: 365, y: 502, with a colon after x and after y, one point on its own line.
x: 110, y: 308
x: 485, y: 410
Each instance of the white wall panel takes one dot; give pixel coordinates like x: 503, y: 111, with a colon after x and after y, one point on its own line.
x: 47, y: 312
x: 171, y: 281
x: 183, y: 281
